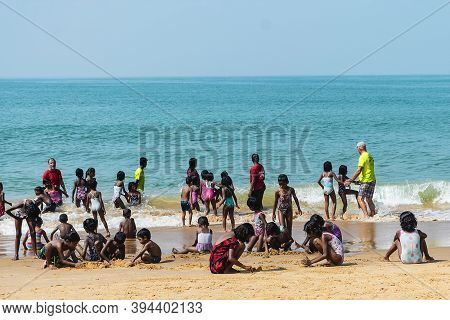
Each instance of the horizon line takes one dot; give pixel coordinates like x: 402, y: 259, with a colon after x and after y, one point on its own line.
x: 218, y: 76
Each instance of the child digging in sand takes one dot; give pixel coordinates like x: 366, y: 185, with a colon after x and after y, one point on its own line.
x: 228, y: 249
x: 327, y: 244
x: 114, y: 249
x: 64, y: 228
x: 94, y: 242
x: 203, y: 239
x: 327, y: 226
x: 277, y: 239
x: 150, y: 252
x: 128, y: 226
x: 53, y: 252
x: 409, y: 241
x: 185, y: 204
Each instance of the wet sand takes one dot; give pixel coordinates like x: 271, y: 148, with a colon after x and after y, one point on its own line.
x: 364, y: 274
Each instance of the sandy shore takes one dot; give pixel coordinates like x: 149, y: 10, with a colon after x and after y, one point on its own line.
x: 363, y: 276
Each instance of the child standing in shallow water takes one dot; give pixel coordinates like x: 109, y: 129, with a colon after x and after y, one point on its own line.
x: 119, y: 190
x: 283, y: 201
x: 185, y: 204
x: 203, y: 239
x: 207, y: 191
x: 3, y: 201
x: 228, y: 200
x: 343, y: 191
x: 409, y: 241
x: 134, y: 196
x: 325, y: 181
x: 95, y: 204
x: 79, y: 189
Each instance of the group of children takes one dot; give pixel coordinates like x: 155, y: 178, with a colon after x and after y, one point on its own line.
x: 62, y: 247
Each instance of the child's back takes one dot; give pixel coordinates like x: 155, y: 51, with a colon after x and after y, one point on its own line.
x: 128, y: 226
x: 64, y: 228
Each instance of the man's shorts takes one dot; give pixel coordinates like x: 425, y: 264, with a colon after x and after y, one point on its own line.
x: 366, y: 189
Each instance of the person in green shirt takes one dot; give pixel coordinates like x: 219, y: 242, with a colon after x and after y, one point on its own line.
x: 139, y: 174
x: 366, y: 174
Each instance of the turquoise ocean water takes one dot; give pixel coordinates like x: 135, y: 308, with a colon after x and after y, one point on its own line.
x: 294, y: 123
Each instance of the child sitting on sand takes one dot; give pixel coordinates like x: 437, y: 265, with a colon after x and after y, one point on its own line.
x: 327, y: 226
x: 409, y: 241
x: 27, y: 244
x: 203, y: 239
x: 3, y: 201
x: 94, y: 202
x: 327, y: 244
x: 64, y: 227
x: 325, y: 181
x: 277, y: 239
x: 229, y: 200
x: 53, y: 252
x: 228, y: 249
x: 260, y: 227
x: 134, y: 196
x: 185, y: 204
x: 94, y: 242
x: 128, y: 226
x: 79, y: 189
x: 119, y: 190
x: 150, y: 252
x: 283, y: 201
x: 114, y: 249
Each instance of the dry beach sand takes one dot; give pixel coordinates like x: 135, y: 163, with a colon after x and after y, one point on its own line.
x: 364, y: 275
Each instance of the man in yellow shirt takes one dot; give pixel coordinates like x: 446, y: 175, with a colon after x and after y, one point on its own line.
x: 366, y: 174
x: 139, y: 174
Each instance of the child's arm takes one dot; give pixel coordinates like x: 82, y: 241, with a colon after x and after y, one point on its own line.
x: 323, y: 256
x: 73, y: 190
x: 121, y: 226
x: 275, y: 204
x: 88, y: 202
x: 223, y: 198
x: 196, y: 239
x: 53, y: 232
x: 24, y: 243
x: 14, y: 207
x: 140, y: 198
x: 133, y: 225
x: 266, y: 247
x: 296, y: 201
x: 139, y: 254
x: 63, y: 259
x: 103, y: 252
x: 235, y: 198
x: 319, y: 181
x: 339, y: 180
x: 235, y: 261
x: 101, y: 201
x: 44, y: 234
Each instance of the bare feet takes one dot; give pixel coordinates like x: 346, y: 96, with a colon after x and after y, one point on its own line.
x: 386, y: 259
x: 306, y: 262
x: 108, y: 234
x: 16, y: 257
x: 174, y: 251
x: 429, y: 258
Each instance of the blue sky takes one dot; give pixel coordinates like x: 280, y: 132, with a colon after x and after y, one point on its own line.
x: 222, y: 38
